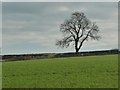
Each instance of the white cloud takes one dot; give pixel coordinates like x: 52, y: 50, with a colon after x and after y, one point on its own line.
x: 63, y: 9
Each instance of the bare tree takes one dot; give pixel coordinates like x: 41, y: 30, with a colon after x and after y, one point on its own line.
x: 77, y: 30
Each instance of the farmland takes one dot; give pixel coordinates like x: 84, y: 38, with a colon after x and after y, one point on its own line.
x: 70, y: 72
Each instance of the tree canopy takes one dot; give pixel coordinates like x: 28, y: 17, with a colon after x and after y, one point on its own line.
x: 77, y: 30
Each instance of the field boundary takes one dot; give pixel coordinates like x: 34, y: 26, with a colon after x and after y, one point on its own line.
x: 56, y: 55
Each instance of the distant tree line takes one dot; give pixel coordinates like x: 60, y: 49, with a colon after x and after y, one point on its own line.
x: 56, y: 55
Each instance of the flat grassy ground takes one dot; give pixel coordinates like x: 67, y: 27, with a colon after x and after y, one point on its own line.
x: 72, y: 72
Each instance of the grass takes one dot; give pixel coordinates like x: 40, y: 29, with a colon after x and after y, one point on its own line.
x: 73, y: 72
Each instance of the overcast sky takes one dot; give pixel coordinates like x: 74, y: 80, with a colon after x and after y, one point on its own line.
x: 60, y: 0
x: 34, y: 27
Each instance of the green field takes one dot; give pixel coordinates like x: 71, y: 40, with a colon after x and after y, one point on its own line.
x: 72, y: 72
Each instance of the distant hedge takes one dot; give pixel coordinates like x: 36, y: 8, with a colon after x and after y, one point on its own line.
x: 56, y: 55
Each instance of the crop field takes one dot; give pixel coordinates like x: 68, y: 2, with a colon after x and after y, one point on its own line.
x: 70, y: 72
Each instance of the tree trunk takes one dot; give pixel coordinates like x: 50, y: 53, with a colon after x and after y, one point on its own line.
x: 76, y: 47
x: 77, y: 50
